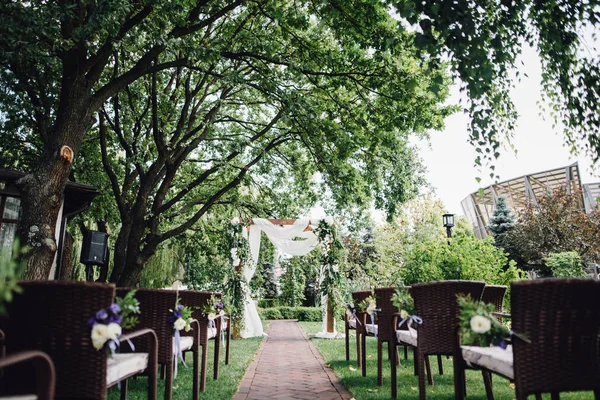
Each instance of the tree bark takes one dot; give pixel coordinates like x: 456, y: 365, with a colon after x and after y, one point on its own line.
x: 66, y: 268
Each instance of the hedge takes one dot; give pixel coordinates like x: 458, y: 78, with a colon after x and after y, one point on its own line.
x: 310, y: 314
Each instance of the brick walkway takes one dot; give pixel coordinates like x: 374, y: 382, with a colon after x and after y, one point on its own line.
x: 287, y: 366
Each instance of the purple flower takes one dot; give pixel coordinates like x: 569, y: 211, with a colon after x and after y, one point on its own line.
x: 171, y: 319
x: 180, y: 307
x: 220, y: 305
x: 177, y: 314
x: 91, y: 322
x: 115, y: 318
x: 115, y: 309
x: 101, y: 315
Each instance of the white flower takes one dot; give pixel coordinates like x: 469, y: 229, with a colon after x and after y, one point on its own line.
x: 336, y: 268
x: 100, y: 335
x: 188, y: 325
x: 235, y: 221
x: 234, y: 253
x: 404, y: 314
x: 114, y: 330
x: 348, y: 313
x: 328, y: 220
x: 480, y: 324
x: 212, y: 316
x: 221, y: 313
x: 179, y: 324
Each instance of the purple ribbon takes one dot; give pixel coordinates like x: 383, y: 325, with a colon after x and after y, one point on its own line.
x: 178, y: 352
x: 410, y: 319
x: 373, y: 323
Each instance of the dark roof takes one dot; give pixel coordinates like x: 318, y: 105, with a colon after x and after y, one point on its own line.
x: 78, y: 196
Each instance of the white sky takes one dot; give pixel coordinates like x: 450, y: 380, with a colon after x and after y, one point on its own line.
x: 450, y: 158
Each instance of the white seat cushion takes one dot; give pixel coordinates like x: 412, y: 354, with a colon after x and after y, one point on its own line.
x: 408, y: 337
x: 211, y: 333
x: 352, y: 323
x: 120, y: 366
x: 493, y: 358
x: 372, y: 329
x: 186, y: 343
x: 20, y: 397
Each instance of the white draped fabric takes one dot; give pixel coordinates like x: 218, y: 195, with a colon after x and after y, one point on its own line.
x: 282, y: 238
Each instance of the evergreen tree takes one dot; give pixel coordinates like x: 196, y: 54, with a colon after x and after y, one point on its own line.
x: 502, y: 221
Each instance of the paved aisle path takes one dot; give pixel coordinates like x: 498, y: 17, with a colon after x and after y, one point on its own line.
x: 287, y: 366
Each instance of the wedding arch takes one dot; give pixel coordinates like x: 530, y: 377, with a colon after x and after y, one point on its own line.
x: 294, y: 237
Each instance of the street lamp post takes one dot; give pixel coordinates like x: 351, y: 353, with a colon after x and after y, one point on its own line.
x: 448, y: 223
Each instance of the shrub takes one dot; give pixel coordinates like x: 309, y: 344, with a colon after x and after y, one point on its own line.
x: 310, y: 314
x: 565, y: 265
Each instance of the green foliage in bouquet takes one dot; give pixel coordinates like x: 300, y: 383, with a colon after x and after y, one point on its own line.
x: 129, y: 306
x: 404, y: 302
x: 477, y: 325
x: 368, y: 305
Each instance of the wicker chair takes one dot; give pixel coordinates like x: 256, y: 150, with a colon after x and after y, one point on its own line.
x: 44, y: 377
x: 557, y: 346
x: 197, y: 300
x: 436, y: 305
x: 494, y: 294
x: 52, y: 316
x: 154, y: 313
x: 351, y: 323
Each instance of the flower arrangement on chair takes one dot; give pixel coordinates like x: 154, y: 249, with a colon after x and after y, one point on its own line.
x: 477, y: 325
x: 180, y: 319
x: 369, y: 306
x: 213, y: 309
x: 404, y: 302
x: 108, y: 324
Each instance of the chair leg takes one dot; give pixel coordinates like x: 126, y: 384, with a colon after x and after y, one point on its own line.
x: 555, y: 396
x: 203, y: 367
x: 428, y: 367
x: 228, y: 337
x: 394, y: 364
x: 415, y: 363
x: 358, y: 352
x: 406, y: 352
x: 124, y: 389
x: 440, y: 366
x: 379, y: 362
x: 196, y: 377
x: 597, y: 394
x: 421, y: 364
x: 162, y: 371
x: 363, y: 343
x: 487, y: 381
x: 347, y: 341
x: 169, y: 381
x: 459, y: 382
x: 217, y: 355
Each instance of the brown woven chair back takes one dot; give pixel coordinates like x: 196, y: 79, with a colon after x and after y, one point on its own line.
x: 52, y: 316
x: 154, y: 314
x: 494, y: 294
x: 197, y: 300
x: 436, y: 304
x: 385, y: 330
x: 561, y: 318
x: 358, y: 297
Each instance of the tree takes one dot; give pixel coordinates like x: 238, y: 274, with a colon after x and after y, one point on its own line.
x: 56, y: 76
x: 556, y: 224
x: 501, y: 222
x: 215, y: 90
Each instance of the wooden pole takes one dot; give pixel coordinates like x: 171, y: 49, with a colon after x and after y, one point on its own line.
x: 330, y: 322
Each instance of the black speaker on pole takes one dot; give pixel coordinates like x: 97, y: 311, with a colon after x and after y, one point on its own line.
x: 94, y: 248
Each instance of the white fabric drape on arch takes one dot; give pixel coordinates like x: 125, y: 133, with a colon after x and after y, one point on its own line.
x: 282, y: 238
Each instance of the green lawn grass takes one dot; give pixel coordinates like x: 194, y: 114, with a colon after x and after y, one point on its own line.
x: 230, y: 376
x: 365, y: 388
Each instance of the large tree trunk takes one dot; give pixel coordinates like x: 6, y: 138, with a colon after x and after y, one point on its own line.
x: 42, y: 190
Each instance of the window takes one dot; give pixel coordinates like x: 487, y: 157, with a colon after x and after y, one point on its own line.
x: 9, y: 215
